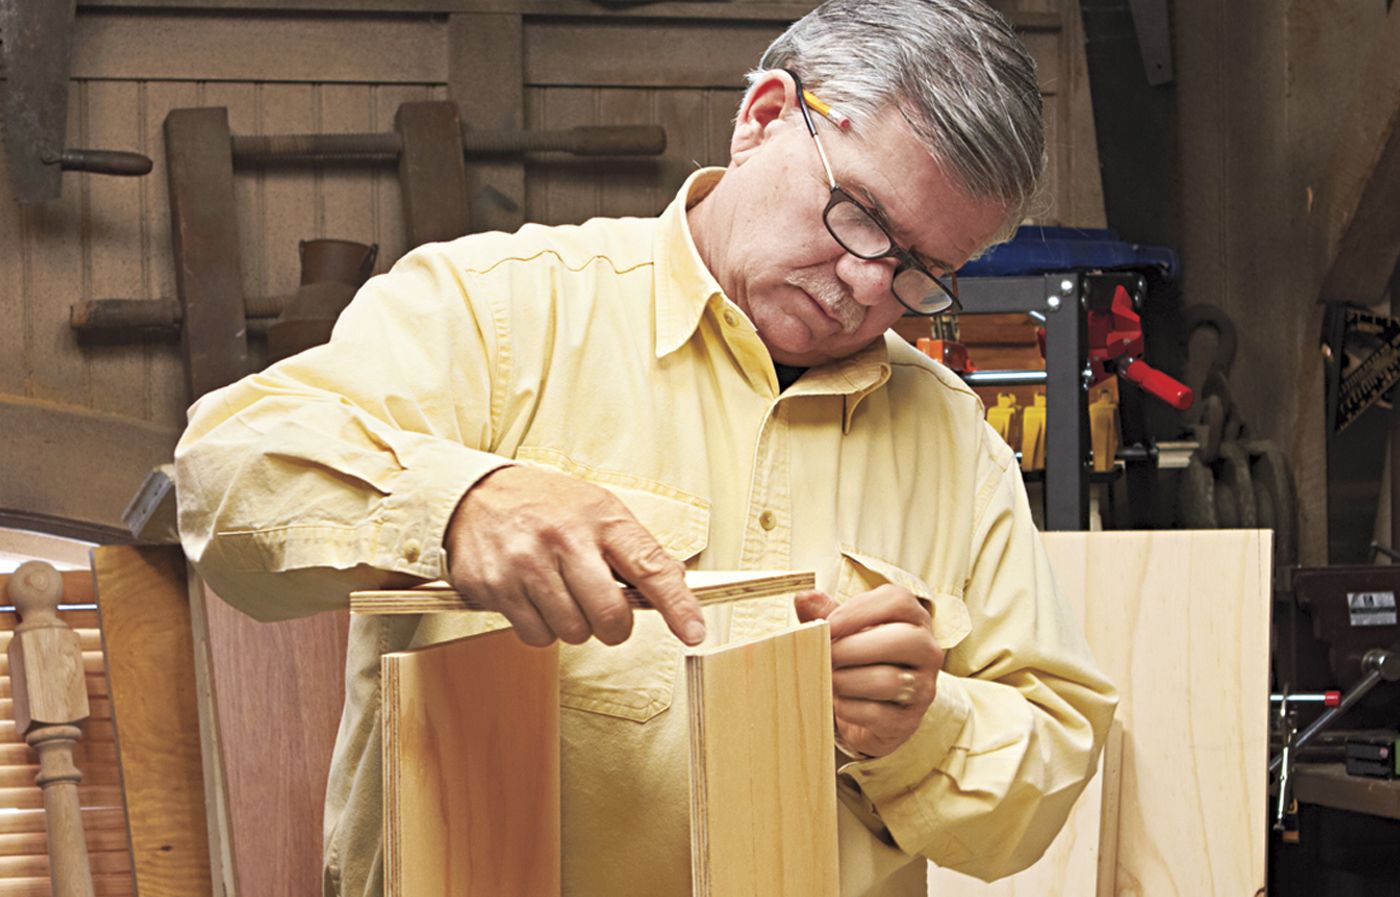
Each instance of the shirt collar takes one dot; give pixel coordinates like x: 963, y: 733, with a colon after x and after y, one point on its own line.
x: 853, y: 377
x: 684, y: 286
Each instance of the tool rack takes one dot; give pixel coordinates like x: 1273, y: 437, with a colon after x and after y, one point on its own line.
x: 1058, y: 299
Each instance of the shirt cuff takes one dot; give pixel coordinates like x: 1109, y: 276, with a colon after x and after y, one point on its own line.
x: 436, y: 474
x: 892, y: 782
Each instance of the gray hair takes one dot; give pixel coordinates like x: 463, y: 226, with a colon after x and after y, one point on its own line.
x: 954, y: 69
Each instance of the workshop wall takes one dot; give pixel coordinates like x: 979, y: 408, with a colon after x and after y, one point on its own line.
x: 84, y: 422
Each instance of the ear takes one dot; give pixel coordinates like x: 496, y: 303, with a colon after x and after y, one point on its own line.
x: 762, y: 113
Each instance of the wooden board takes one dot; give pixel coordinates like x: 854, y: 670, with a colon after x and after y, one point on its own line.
x: 709, y: 586
x: 145, y: 618
x: 763, y: 805
x: 274, y: 698
x: 1082, y: 859
x: 471, y: 769
x: 1179, y: 621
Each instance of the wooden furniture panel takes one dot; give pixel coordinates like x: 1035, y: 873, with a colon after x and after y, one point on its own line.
x: 1180, y: 622
x: 471, y: 769
x: 144, y: 606
x: 763, y: 809
x: 275, y: 692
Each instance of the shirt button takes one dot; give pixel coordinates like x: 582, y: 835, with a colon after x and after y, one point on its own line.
x: 412, y: 551
x: 730, y: 318
x: 768, y: 520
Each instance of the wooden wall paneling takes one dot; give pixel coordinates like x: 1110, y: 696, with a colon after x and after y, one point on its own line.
x: 149, y: 45
x: 110, y: 116
x: 54, y: 371
x: 391, y: 231
x: 584, y: 52
x: 1180, y: 622
x: 144, y: 603
x: 345, y: 201
x: 277, y: 690
x: 1081, y: 861
x: 486, y: 72
x: 685, y: 116
x: 1085, y: 185
x: 561, y: 190
x: 287, y: 195
x: 630, y: 185
x: 723, y: 107
x: 762, y: 809
x: 471, y: 774
x: 14, y: 299
x: 166, y: 384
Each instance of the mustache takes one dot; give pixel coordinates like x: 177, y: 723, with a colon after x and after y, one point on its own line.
x: 832, y: 295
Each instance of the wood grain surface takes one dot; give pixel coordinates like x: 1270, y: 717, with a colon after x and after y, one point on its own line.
x: 471, y: 769
x: 276, y: 691
x: 146, y: 634
x: 1179, y: 621
x: 709, y: 586
x: 763, y: 809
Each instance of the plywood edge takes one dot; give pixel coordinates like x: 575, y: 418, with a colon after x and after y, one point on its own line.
x: 1111, y: 772
x: 441, y: 598
x: 699, y: 807
x: 390, y: 684
x: 216, y: 799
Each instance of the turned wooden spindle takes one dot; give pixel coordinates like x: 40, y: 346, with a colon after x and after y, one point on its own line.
x: 50, y: 699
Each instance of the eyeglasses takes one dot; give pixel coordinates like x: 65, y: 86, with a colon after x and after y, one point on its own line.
x: 861, y: 234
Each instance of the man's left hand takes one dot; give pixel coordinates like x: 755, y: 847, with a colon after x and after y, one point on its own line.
x: 884, y: 664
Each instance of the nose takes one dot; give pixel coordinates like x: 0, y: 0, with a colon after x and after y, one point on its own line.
x: 869, y: 280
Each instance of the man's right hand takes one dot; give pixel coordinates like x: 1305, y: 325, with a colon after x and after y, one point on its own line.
x: 545, y: 550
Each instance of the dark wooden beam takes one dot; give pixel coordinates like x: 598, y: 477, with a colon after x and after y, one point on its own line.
x: 204, y: 232
x: 486, y: 77
x: 432, y: 173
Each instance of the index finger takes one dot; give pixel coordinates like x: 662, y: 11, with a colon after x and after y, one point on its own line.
x: 636, y: 556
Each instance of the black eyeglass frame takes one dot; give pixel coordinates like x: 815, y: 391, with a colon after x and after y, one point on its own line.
x: 906, y: 259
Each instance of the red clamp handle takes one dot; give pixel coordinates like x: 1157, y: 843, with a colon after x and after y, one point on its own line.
x: 1168, y: 389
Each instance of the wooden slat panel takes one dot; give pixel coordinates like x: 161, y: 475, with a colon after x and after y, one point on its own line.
x: 630, y: 186
x: 145, y: 613
x: 250, y: 47
x: 103, y: 862
x: 471, y: 775
x: 99, y: 819
x: 569, y: 190
x: 763, y: 812
x: 37, y: 843
x: 111, y: 222
x: 345, y: 196
x: 89, y: 796
x: 103, y: 886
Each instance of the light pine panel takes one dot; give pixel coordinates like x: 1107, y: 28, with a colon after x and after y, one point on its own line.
x: 1179, y: 621
x: 471, y: 769
x: 762, y: 809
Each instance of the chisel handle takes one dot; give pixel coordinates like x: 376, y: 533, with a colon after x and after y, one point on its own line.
x: 115, y: 162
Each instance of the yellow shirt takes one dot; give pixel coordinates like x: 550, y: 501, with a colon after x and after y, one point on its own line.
x: 608, y: 351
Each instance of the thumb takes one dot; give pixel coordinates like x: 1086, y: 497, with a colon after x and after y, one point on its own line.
x: 814, y: 606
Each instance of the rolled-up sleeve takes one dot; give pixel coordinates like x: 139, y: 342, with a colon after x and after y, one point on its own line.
x: 340, y: 468
x: 1020, y: 714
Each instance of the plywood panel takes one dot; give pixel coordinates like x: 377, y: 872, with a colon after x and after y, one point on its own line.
x: 1180, y: 622
x: 150, y: 664
x: 763, y: 812
x: 471, y: 769
x: 277, y: 690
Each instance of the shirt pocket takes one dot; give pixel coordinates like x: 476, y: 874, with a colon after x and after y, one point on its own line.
x: 634, y: 680
x: 862, y: 572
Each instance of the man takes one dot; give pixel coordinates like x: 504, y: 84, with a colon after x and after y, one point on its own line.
x: 531, y: 415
